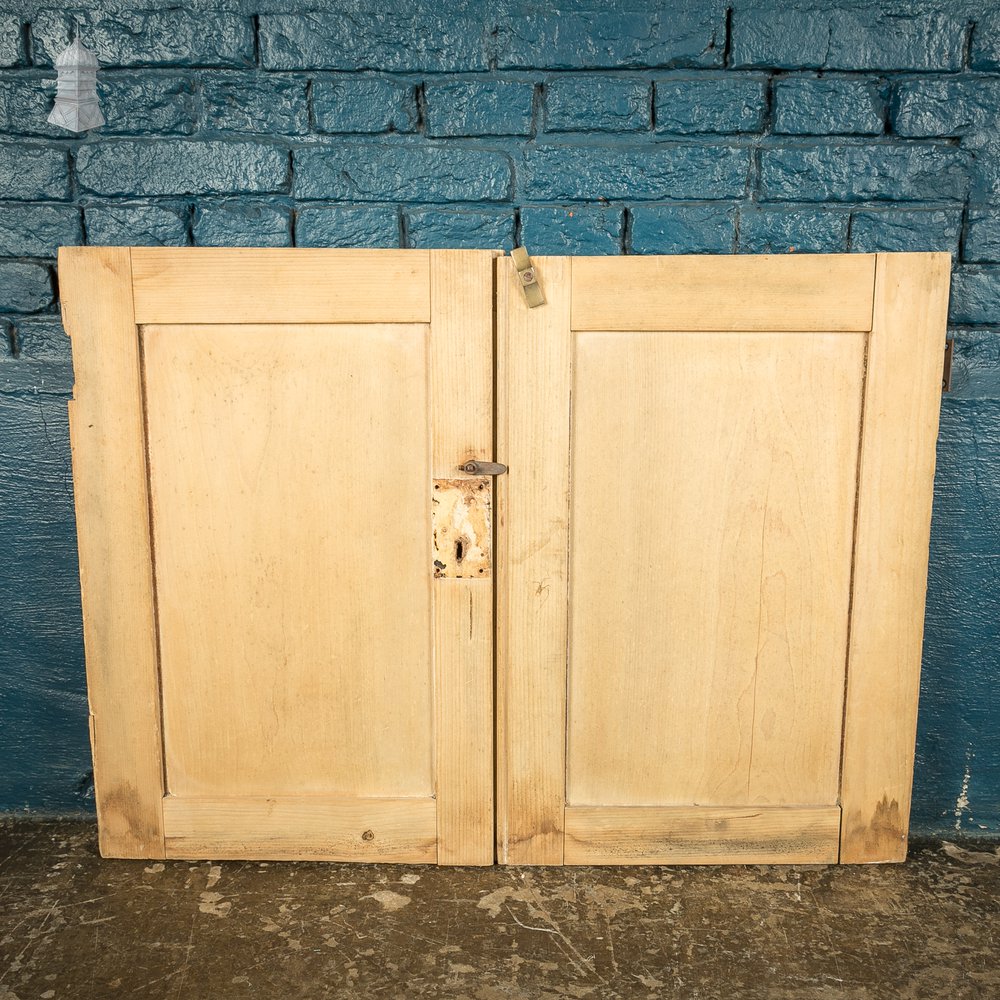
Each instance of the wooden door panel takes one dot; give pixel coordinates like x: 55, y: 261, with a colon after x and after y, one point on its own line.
x: 713, y: 460
x: 278, y: 454
x: 714, y: 478
x: 275, y: 669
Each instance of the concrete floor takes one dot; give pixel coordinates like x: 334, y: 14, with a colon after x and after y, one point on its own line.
x: 74, y: 926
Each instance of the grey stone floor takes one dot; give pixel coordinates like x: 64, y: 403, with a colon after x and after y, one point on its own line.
x: 75, y: 926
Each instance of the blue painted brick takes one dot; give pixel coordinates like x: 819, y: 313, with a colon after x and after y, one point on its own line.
x: 363, y: 104
x: 41, y: 338
x: 975, y: 369
x: 985, y: 49
x: 377, y: 38
x: 985, y: 170
x: 666, y: 170
x: 173, y: 37
x: 489, y: 107
x: 571, y: 229
x: 24, y: 287
x: 955, y: 107
x: 710, y: 103
x: 906, y: 230
x: 347, y: 226
x: 982, y: 237
x: 242, y: 224
x: 37, y: 230
x: 687, y: 35
x: 28, y: 172
x: 683, y: 228
x: 975, y: 295
x: 181, y: 166
x: 596, y: 104
x: 130, y: 103
x: 433, y: 228
x: 139, y: 225
x: 156, y: 103
x: 245, y: 103
x: 11, y: 53
x: 783, y: 230
x: 852, y: 39
x: 829, y: 105
x: 391, y: 172
x: 903, y: 172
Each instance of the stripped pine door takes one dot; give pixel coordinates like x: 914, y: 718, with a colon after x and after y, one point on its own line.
x: 286, y: 576
x: 713, y: 555
x: 710, y: 562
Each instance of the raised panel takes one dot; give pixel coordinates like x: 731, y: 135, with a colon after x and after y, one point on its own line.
x: 290, y: 481
x: 714, y: 478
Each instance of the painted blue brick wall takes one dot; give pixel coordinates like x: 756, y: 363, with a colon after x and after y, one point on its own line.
x: 709, y: 126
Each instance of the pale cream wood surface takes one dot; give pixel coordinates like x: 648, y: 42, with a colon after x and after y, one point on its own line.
x: 711, y: 527
x: 698, y: 835
x: 461, y: 368
x: 831, y: 292
x: 463, y: 663
x: 533, y: 417
x: 109, y: 480
x: 290, y: 479
x: 226, y: 285
x: 902, y: 406
x: 461, y: 389
x: 318, y: 827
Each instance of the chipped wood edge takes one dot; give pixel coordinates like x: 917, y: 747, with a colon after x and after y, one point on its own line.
x: 116, y: 572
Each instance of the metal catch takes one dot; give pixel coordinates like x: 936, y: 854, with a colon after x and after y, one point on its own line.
x: 528, y: 276
x: 476, y: 468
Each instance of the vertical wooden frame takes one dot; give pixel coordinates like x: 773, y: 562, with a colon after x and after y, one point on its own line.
x: 461, y: 372
x: 895, y: 488
x: 534, y: 379
x: 116, y: 572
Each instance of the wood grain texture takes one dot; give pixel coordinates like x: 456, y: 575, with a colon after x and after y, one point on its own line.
x: 112, y: 512
x: 712, y: 517
x: 290, y: 481
x: 533, y: 420
x: 702, y: 835
x: 461, y: 407
x: 831, y: 292
x: 463, y: 663
x: 902, y: 405
x: 315, y: 828
x: 225, y: 285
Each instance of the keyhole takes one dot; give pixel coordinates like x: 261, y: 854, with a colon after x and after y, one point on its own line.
x: 459, y: 550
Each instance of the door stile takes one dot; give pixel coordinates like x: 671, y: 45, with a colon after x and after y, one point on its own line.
x: 896, y: 483
x: 116, y: 571
x: 461, y: 399
x: 534, y: 375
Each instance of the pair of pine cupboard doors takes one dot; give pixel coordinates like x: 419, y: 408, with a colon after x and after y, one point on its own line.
x: 684, y: 627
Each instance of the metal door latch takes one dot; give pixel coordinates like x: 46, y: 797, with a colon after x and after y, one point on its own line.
x: 528, y: 277
x: 475, y: 468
